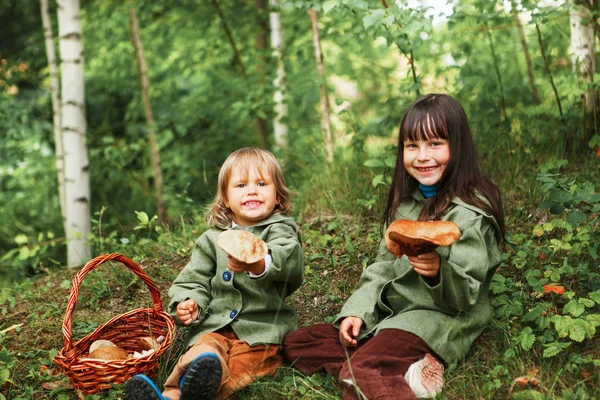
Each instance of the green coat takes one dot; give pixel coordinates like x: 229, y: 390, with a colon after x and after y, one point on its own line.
x: 448, y: 316
x: 254, y: 307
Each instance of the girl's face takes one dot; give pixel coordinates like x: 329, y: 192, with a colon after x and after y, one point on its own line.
x: 251, y: 195
x: 425, y: 160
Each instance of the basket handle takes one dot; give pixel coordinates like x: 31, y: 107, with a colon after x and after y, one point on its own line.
x: 89, y: 266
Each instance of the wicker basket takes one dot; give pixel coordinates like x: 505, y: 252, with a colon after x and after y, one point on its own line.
x: 90, y: 376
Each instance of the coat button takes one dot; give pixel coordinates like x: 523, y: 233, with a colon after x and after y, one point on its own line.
x: 226, y: 276
x: 233, y: 313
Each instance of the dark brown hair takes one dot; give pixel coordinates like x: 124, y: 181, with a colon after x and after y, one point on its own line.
x: 439, y: 116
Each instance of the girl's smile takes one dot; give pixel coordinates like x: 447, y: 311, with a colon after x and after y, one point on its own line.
x: 426, y: 160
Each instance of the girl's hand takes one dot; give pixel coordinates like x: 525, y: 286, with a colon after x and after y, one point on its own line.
x: 187, y: 311
x: 256, y: 268
x: 427, y: 264
x: 349, y: 330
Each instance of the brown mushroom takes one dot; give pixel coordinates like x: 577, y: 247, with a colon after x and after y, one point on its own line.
x: 147, y: 343
x: 98, y: 344
x: 242, y: 245
x: 108, y: 354
x: 419, y: 237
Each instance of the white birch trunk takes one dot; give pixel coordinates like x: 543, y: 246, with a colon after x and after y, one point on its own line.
x: 55, y: 95
x: 583, y: 54
x: 77, y: 186
x: 281, y: 109
x: 325, y: 110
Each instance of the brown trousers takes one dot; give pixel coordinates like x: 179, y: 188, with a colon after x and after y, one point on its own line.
x: 241, y: 364
x: 376, y: 366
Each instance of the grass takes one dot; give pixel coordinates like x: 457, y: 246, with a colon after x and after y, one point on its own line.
x: 340, y: 239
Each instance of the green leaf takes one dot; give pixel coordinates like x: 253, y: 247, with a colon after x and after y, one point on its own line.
x: 374, y: 164
x: 377, y: 180
x: 329, y: 5
x: 574, y: 308
x: 66, y: 284
x: 576, y: 217
x: 595, y: 296
x: 373, y: 18
x: 526, y: 338
x: 554, y: 348
x: 20, y: 239
x: 143, y: 217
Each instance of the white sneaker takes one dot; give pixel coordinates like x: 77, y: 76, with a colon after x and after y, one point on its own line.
x: 426, y: 377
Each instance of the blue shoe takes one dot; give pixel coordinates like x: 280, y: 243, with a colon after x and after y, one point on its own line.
x: 202, y: 378
x: 140, y: 387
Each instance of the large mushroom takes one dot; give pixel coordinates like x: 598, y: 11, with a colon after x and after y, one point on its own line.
x: 243, y: 246
x: 419, y: 237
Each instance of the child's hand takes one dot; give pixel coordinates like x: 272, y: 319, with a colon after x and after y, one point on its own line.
x: 349, y: 330
x: 187, y: 311
x: 427, y: 264
x: 256, y: 268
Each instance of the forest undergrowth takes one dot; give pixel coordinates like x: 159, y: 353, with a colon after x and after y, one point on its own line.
x: 542, y: 344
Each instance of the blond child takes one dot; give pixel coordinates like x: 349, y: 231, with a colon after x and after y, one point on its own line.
x: 236, y: 312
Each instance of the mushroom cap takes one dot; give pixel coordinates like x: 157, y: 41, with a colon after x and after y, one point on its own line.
x: 108, y: 354
x: 100, y: 343
x: 412, y: 238
x: 242, y: 245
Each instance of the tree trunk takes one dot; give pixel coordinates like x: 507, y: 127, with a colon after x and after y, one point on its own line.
x: 281, y: 109
x: 548, y: 70
x: 262, y: 32
x: 583, y: 58
x: 497, y: 69
x: 534, y: 91
x: 55, y: 95
x: 325, y: 121
x: 74, y: 126
x: 161, y: 207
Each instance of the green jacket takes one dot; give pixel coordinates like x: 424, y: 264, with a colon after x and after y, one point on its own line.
x: 254, y: 307
x: 448, y: 316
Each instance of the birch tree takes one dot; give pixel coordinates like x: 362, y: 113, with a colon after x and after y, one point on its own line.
x: 280, y: 128
x: 76, y: 166
x: 583, y: 58
x: 55, y: 95
x: 325, y: 109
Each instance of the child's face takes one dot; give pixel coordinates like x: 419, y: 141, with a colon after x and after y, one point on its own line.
x: 251, y: 196
x: 425, y: 160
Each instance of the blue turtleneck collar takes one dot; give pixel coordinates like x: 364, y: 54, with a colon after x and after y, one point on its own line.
x: 428, y: 191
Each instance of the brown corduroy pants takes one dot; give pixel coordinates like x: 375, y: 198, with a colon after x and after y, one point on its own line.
x: 241, y: 364
x: 374, y: 368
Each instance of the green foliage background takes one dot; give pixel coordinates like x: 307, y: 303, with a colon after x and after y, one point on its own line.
x: 205, y: 105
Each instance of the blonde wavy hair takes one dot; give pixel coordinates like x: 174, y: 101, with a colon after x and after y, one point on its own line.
x: 247, y: 158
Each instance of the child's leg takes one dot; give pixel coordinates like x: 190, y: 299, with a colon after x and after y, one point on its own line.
x: 246, y: 364
x: 208, y: 343
x: 378, y: 367
x: 316, y: 348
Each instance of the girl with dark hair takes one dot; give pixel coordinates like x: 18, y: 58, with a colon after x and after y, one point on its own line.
x: 412, y: 315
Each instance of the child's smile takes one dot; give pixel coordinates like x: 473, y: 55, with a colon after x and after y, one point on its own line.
x: 426, y: 160
x: 251, y: 196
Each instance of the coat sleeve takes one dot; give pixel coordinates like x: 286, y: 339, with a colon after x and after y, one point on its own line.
x: 470, y: 263
x: 365, y: 301
x: 288, y: 258
x: 193, y: 282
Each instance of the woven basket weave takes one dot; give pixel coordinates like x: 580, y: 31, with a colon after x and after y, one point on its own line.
x: 90, y: 376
